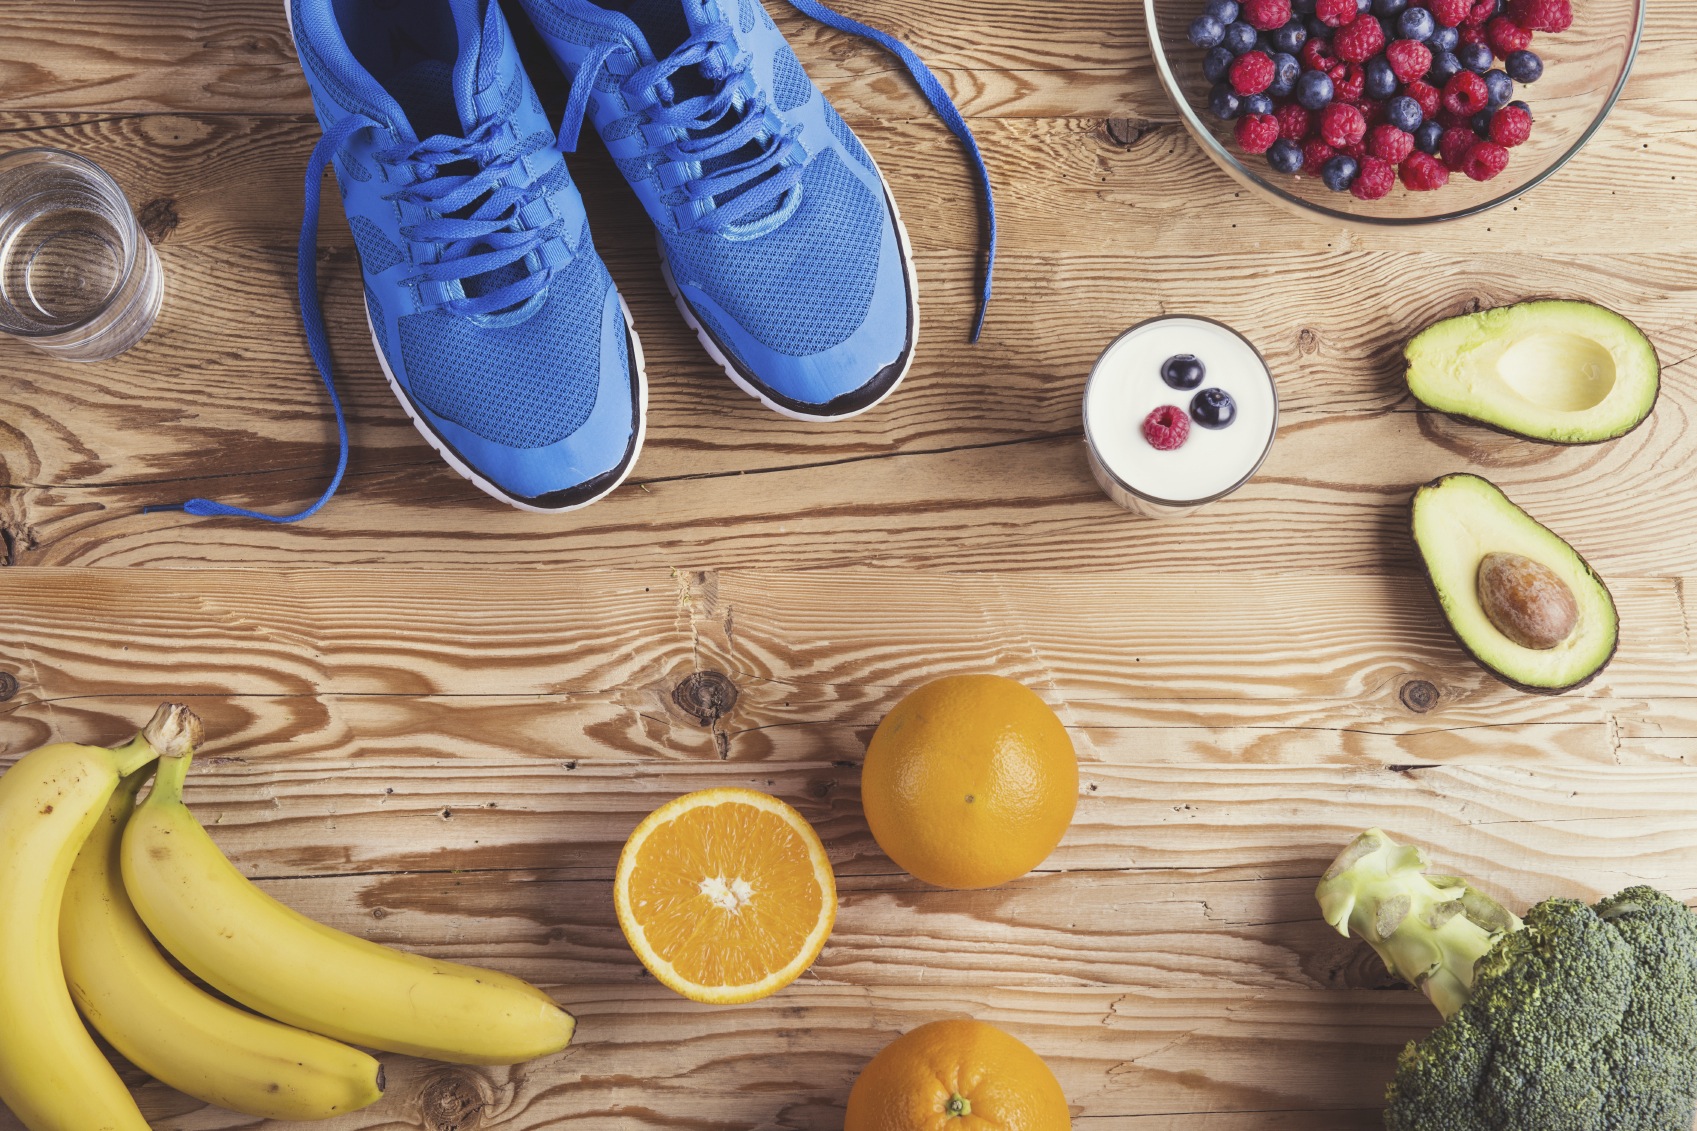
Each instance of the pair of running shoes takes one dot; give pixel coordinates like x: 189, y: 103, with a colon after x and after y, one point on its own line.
x: 496, y: 322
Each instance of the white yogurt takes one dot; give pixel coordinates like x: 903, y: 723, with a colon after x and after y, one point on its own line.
x: 1126, y: 386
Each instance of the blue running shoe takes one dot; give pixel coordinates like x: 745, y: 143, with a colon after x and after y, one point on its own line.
x: 496, y: 322
x: 780, y: 239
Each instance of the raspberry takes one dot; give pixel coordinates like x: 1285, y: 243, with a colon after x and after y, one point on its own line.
x: 1336, y: 13
x: 1317, y: 54
x: 1466, y: 93
x: 1506, y: 37
x: 1253, y: 73
x: 1481, y: 11
x: 1455, y: 144
x: 1390, y: 144
x: 1354, y: 149
x: 1315, y: 154
x: 1541, y: 15
x: 1424, y: 93
x: 1359, y: 41
x: 1423, y: 173
x: 1485, y: 160
x: 1409, y: 59
x: 1510, y: 126
x: 1449, y: 13
x: 1449, y: 119
x: 1167, y: 428
x: 1294, y: 121
x: 1265, y: 15
x: 1350, y: 84
x: 1376, y: 179
x: 1471, y: 35
x: 1374, y: 112
x: 1342, y: 125
x: 1256, y: 133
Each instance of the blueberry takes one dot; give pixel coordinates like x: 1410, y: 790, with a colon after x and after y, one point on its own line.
x: 1257, y: 104
x: 1183, y: 371
x: 1223, y: 10
x: 1389, y: 9
x: 1404, y: 113
x: 1240, y: 37
x: 1445, y: 66
x: 1316, y: 28
x: 1480, y: 123
x: 1206, y: 31
x: 1303, y: 7
x: 1362, y: 7
x: 1381, y: 80
x: 1286, y: 70
x: 1416, y: 24
x: 1285, y: 156
x: 1500, y: 88
x: 1427, y: 136
x: 1524, y: 66
x: 1338, y: 173
x: 1521, y: 106
x: 1217, y: 63
x: 1224, y: 102
x: 1314, y: 90
x: 1476, y: 57
x: 1290, y: 38
x: 1443, y: 38
x: 1214, y: 408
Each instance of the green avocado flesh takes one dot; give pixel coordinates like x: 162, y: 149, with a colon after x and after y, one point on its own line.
x: 1564, y: 372
x: 1461, y: 518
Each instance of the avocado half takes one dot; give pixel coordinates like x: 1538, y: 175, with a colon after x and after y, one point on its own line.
x: 1459, y: 519
x: 1558, y: 371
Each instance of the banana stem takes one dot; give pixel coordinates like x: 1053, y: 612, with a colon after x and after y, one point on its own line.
x: 168, y: 785
x: 172, y: 733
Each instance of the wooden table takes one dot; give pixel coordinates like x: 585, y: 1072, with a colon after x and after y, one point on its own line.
x: 436, y: 719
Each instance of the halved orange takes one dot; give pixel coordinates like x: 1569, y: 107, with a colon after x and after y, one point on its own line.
x: 725, y: 895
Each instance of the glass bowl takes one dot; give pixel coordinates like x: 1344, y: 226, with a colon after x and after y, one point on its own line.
x: 1585, y: 68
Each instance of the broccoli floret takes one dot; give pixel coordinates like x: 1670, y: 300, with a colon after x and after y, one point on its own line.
x: 1578, y: 1019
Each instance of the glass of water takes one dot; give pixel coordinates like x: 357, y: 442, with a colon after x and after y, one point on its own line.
x: 78, y: 277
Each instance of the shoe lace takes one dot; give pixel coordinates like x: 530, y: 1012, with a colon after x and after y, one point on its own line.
x: 745, y: 161
x: 472, y: 218
x: 750, y: 188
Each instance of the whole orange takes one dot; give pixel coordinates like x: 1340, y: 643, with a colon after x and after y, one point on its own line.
x: 970, y: 782
x: 957, y: 1076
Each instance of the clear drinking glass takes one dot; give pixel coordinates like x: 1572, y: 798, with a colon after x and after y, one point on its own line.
x: 78, y: 277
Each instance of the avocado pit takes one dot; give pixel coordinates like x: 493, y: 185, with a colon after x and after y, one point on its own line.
x: 1526, y: 601
x: 1562, y: 372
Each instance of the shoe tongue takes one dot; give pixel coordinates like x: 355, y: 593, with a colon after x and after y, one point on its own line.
x: 479, y: 26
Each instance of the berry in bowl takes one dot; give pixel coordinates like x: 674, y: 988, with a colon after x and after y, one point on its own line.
x: 1388, y: 112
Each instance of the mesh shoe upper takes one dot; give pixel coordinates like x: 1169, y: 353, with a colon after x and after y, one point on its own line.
x: 495, y: 316
x: 777, y: 227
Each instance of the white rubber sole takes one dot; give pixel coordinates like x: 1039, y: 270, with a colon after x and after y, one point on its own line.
x: 742, y: 383
x: 640, y: 368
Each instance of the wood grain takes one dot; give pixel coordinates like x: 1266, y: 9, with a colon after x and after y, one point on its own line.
x: 435, y: 720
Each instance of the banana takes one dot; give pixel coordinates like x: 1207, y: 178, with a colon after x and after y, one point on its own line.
x: 172, y: 1029
x: 52, y: 1075
x: 282, y: 964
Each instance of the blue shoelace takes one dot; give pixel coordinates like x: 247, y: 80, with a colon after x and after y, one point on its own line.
x: 753, y: 186
x: 750, y: 188
x: 478, y: 242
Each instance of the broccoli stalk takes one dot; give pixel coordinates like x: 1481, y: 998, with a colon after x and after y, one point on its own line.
x: 1430, y: 930
x: 1580, y: 1018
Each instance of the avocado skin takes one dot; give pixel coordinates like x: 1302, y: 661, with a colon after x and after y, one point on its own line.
x: 1437, y: 598
x: 1655, y: 397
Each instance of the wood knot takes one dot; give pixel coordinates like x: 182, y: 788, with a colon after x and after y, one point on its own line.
x: 1419, y: 696
x: 8, y: 686
x: 1125, y: 132
x: 452, y: 1100
x: 158, y: 218
x: 1308, y: 340
x: 706, y: 697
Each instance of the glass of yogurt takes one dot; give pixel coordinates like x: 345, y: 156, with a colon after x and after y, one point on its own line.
x: 1178, y: 412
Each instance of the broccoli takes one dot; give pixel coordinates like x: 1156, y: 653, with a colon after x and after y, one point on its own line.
x: 1577, y: 1019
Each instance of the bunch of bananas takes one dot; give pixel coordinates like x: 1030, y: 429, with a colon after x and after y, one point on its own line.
x: 89, y: 879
